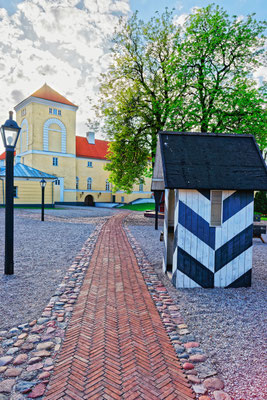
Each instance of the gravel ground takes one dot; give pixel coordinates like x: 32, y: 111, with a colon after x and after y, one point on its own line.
x: 68, y: 212
x: 229, y: 323
x: 43, y: 251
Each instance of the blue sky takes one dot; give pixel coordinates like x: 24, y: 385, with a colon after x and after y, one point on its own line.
x: 147, y: 8
x: 233, y: 7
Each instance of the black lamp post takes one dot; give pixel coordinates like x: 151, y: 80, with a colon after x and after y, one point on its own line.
x: 42, y: 183
x: 10, y: 133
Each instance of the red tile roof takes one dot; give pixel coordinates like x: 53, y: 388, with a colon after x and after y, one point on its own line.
x: 3, y: 155
x: 84, y: 149
x: 47, y: 93
x: 98, y: 150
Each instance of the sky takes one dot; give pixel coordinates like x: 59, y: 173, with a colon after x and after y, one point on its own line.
x: 64, y: 43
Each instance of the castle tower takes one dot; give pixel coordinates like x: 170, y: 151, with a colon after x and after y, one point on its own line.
x: 47, y: 139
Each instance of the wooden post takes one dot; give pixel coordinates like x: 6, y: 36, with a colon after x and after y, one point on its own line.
x: 157, y: 196
x: 170, y: 234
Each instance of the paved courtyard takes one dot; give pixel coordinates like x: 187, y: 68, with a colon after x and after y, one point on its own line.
x: 91, y: 316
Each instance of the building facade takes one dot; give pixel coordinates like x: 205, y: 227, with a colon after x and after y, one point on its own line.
x: 48, y: 143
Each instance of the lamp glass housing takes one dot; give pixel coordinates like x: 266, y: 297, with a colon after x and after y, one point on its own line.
x: 42, y: 183
x: 10, y: 136
x: 10, y: 132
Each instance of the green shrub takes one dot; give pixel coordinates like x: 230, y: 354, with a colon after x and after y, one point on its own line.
x: 260, y: 202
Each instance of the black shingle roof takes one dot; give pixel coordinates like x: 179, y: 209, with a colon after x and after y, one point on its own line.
x: 212, y: 161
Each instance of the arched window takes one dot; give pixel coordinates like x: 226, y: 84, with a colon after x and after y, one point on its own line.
x: 77, y: 182
x: 24, y: 136
x: 54, y: 136
x: 107, y: 185
x: 89, y: 183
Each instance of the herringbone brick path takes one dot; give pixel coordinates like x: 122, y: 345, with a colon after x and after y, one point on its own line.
x: 116, y: 346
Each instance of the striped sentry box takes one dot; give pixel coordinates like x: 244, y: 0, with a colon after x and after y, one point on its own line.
x: 207, y: 256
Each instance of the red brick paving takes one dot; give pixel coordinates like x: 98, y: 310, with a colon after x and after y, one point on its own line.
x: 116, y: 346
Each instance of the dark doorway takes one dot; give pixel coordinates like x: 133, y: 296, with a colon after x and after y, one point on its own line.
x: 89, y: 200
x: 113, y: 198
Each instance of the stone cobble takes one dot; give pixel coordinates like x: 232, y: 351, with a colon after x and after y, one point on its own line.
x: 205, y: 382
x: 56, y: 218
x: 28, y: 352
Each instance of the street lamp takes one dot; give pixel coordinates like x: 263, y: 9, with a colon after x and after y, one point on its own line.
x: 10, y: 133
x: 42, y: 183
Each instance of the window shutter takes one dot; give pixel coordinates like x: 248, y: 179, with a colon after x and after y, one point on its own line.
x: 216, y: 208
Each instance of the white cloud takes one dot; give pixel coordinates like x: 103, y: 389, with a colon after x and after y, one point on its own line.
x: 260, y: 75
x: 180, y: 19
x: 61, y: 42
x: 240, y: 18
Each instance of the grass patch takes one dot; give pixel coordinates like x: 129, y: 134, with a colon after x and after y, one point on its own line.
x: 263, y: 216
x: 139, y: 207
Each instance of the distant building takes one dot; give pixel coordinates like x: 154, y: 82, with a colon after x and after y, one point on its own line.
x: 208, y: 180
x: 48, y: 143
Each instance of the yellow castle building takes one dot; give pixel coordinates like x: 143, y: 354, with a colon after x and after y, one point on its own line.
x: 48, y: 148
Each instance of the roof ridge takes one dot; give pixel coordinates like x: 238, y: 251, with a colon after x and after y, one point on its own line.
x: 48, y: 93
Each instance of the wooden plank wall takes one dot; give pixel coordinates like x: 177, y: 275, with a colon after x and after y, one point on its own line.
x: 166, y: 220
x: 175, y: 244
x: 206, y: 256
x: 29, y: 192
x: 2, y: 191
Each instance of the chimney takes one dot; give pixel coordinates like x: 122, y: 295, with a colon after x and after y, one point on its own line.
x: 17, y: 159
x: 90, y: 137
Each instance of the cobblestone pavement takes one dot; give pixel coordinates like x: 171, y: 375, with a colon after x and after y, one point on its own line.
x: 28, y: 351
x: 43, y: 252
x: 110, y: 331
x: 116, y: 346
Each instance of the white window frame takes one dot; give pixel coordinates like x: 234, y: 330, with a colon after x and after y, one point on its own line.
x: 50, y: 110
x: 89, y: 183
x: 55, y: 161
x: 213, y: 203
x: 107, y: 185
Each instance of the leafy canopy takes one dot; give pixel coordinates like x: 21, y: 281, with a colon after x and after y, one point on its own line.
x: 192, y: 78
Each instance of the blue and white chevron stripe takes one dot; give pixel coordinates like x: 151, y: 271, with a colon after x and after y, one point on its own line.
x: 206, y: 256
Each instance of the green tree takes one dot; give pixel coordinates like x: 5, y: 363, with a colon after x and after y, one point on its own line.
x: 216, y: 57
x: 260, y: 202
x: 136, y: 95
x: 198, y: 78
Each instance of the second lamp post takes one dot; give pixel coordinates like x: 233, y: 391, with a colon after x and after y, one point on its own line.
x: 43, y: 183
